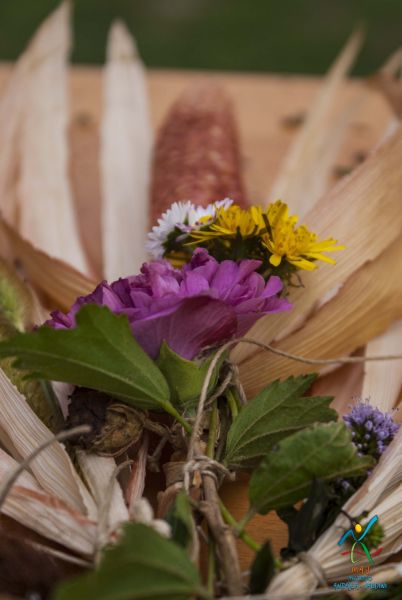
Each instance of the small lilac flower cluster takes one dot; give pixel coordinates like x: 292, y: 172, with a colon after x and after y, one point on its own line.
x: 372, y: 430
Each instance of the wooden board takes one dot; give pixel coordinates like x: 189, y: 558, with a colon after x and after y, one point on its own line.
x: 263, y: 105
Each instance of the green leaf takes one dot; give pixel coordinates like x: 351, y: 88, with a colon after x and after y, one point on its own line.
x: 262, y: 569
x: 179, y: 518
x: 305, y: 523
x: 142, y: 566
x: 16, y: 303
x: 285, y: 475
x: 100, y: 353
x: 276, y: 412
x: 185, y: 377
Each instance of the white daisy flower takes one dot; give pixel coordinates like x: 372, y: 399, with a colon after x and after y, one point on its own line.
x: 176, y: 215
x: 184, y: 216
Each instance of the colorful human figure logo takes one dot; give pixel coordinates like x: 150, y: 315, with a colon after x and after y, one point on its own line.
x: 358, y: 541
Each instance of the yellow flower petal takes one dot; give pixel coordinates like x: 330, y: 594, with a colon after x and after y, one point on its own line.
x: 275, y: 260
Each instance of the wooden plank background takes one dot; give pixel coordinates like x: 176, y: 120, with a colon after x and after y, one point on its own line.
x: 264, y: 105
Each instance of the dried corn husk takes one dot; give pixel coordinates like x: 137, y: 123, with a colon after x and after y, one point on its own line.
x: 340, y: 326
x: 361, y: 212
x: 126, y: 157
x: 344, y: 384
x: 61, y: 283
x: 33, y: 176
x: 45, y: 208
x: 389, y: 83
x: 136, y: 483
x: 53, y: 468
x: 22, y: 558
x: 28, y: 504
x: 381, y: 494
x: 99, y: 472
x: 196, y: 152
x: 382, y: 382
x: 305, y: 173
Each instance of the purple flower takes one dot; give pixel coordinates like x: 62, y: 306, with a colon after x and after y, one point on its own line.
x: 372, y: 430
x: 204, y: 303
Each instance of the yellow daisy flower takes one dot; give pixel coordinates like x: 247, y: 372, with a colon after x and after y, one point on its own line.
x: 229, y: 222
x: 297, y: 245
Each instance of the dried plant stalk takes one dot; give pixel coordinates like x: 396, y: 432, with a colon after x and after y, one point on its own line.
x: 126, y: 157
x: 363, y: 212
x: 60, y: 282
x: 197, y: 154
x: 304, y: 176
x: 339, y: 327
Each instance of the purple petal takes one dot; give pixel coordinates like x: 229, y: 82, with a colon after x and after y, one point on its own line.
x: 274, y: 286
x: 199, y: 322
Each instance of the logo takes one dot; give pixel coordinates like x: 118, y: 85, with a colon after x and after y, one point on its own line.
x: 358, y: 544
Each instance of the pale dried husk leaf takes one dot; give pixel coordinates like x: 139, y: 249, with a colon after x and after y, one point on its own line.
x: 344, y: 384
x: 339, y: 327
x: 28, y: 504
x: 136, y: 483
x: 126, y: 143
x: 52, y: 518
x: 305, y: 173
x: 387, y: 81
x: 45, y: 206
x: 59, y: 281
x: 53, y: 468
x: 381, y: 494
x: 364, y: 213
x: 98, y: 471
x: 383, y: 381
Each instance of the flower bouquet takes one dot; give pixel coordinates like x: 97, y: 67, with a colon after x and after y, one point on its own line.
x: 167, y: 388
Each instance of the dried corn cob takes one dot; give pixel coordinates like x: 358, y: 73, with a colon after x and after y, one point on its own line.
x: 196, y: 155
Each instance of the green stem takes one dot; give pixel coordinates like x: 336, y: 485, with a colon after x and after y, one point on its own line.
x: 213, y: 431
x: 231, y: 398
x: 245, y: 520
x: 245, y: 537
x: 176, y: 415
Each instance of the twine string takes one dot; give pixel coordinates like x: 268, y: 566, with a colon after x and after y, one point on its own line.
x: 205, y: 466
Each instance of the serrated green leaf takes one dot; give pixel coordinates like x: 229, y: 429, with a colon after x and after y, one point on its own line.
x: 142, y: 566
x: 100, y: 353
x: 185, y: 377
x: 276, y: 412
x: 285, y: 475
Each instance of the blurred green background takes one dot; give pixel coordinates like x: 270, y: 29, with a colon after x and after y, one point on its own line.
x: 247, y: 35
